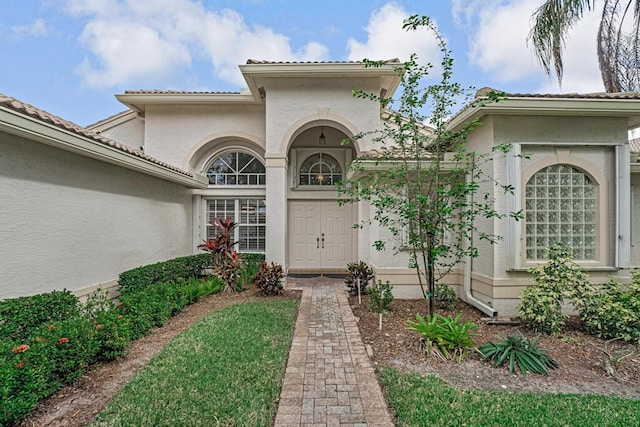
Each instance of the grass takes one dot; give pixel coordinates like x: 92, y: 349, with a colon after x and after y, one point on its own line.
x: 226, y: 369
x: 428, y: 401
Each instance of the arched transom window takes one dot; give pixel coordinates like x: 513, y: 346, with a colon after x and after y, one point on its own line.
x: 320, y: 169
x: 560, y: 208
x: 236, y: 168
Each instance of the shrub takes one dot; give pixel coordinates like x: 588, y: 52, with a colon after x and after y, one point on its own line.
x: 152, y: 307
x: 143, y: 277
x: 445, y: 337
x: 23, y: 382
x: 358, y: 271
x: 249, y: 258
x: 111, y: 330
x: 613, y: 311
x: 20, y: 316
x: 520, y: 353
x: 269, y: 278
x: 381, y: 297
x: 444, y: 297
x: 555, y: 280
x: 69, y: 346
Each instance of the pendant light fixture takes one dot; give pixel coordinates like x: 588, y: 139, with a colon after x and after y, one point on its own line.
x: 323, y: 139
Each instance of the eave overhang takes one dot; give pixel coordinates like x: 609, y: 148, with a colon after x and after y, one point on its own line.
x: 629, y: 108
x: 139, y: 101
x: 254, y: 72
x: 25, y: 126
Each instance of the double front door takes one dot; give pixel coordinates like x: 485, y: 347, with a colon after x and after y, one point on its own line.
x: 321, y: 235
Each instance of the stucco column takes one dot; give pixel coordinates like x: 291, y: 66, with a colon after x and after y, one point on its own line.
x: 276, y: 200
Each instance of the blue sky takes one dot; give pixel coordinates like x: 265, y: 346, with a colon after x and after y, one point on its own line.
x: 69, y: 57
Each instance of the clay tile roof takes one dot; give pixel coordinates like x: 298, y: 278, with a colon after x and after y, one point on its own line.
x: 43, y: 116
x: 596, y: 95
x: 257, y: 61
x: 175, y: 92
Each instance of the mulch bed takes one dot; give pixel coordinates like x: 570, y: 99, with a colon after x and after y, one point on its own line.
x: 580, y: 355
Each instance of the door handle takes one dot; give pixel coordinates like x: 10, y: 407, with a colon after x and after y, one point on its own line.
x: 322, y: 240
x: 317, y: 243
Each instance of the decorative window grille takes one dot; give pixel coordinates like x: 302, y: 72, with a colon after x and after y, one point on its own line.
x: 320, y: 169
x: 250, y: 216
x: 236, y: 168
x: 560, y: 208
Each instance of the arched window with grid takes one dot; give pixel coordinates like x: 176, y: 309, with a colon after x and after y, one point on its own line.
x: 320, y: 169
x: 236, y: 168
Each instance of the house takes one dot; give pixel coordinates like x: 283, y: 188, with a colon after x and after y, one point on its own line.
x: 81, y: 205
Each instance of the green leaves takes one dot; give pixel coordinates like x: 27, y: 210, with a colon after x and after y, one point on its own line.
x: 521, y: 353
x: 445, y: 337
x: 381, y: 297
x: 555, y: 280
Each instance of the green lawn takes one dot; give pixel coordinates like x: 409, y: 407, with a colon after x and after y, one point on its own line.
x: 428, y: 401
x: 225, y: 370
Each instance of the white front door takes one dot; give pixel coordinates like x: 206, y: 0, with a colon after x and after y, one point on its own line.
x: 321, y: 236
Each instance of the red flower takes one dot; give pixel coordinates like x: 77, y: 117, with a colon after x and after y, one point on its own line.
x: 20, y: 349
x: 120, y: 303
x: 21, y: 365
x: 98, y: 326
x: 119, y: 316
x: 52, y: 327
x: 63, y: 340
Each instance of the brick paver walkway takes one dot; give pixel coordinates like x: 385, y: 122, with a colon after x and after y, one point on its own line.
x: 329, y: 379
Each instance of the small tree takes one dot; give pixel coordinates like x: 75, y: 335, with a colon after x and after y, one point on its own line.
x: 381, y: 299
x: 427, y: 200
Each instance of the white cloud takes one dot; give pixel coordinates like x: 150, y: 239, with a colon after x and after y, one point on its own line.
x: 498, y: 45
x: 386, y: 39
x: 37, y: 28
x: 129, y: 39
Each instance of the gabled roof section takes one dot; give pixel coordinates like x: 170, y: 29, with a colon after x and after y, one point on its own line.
x: 623, y: 104
x: 19, y: 118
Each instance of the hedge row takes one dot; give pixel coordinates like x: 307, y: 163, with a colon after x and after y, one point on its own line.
x: 167, y: 271
x: 47, y: 340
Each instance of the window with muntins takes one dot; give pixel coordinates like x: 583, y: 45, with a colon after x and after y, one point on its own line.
x: 560, y: 208
x: 236, y: 168
x: 320, y: 169
x: 250, y: 216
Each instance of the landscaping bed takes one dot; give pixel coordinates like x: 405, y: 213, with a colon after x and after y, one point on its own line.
x: 579, y: 355
x: 78, y: 403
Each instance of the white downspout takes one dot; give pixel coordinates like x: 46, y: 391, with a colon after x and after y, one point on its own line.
x: 467, y: 278
x: 467, y: 290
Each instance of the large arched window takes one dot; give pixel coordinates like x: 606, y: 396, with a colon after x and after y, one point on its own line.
x: 320, y: 169
x: 560, y: 208
x: 236, y: 168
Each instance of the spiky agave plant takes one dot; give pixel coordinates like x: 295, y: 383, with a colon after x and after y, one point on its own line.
x: 520, y: 353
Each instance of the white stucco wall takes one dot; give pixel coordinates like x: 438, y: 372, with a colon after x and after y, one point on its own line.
x: 173, y: 131
x: 130, y: 133
x: 72, y: 222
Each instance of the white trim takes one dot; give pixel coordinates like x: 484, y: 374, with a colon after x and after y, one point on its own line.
x: 514, y: 204
x: 623, y: 206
